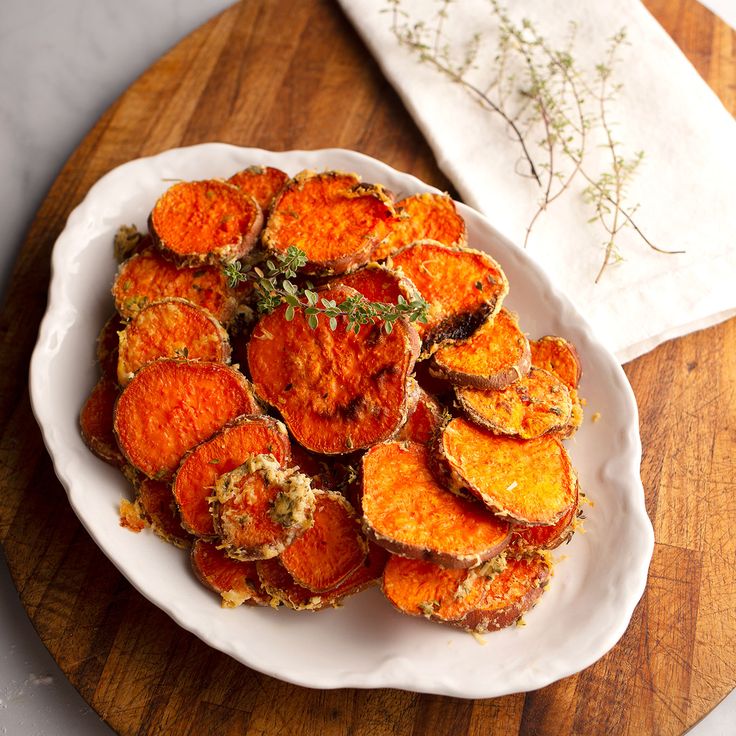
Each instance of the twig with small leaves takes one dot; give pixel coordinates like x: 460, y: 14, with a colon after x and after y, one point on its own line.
x: 273, y: 286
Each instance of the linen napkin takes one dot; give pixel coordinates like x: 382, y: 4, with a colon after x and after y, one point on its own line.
x: 684, y: 186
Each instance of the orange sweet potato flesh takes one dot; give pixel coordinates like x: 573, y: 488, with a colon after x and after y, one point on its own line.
x: 463, y: 288
x: 170, y: 328
x: 170, y: 406
x: 262, y: 183
x: 331, y: 550
x: 423, y: 421
x: 493, y: 357
x: 409, y: 513
x: 558, y: 356
x: 422, y: 217
x: 463, y: 598
x: 148, y: 277
x: 529, y: 481
x: 333, y: 217
x: 545, y: 537
x: 236, y: 581
x: 378, y: 284
x: 157, y: 502
x: 337, y: 391
x: 96, y: 422
x: 260, y: 509
x: 534, y: 405
x: 220, y: 454
x: 209, y: 221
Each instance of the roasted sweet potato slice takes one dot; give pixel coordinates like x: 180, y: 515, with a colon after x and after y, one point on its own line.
x: 332, y: 216
x: 260, y: 508
x: 157, y: 502
x: 424, y: 420
x: 493, y: 357
x: 467, y: 599
x: 463, y: 287
x: 170, y: 328
x: 234, y: 580
x: 378, y: 284
x: 409, y: 513
x: 225, y: 451
x: 128, y: 241
x: 96, y: 422
x: 283, y: 589
x: 337, y: 391
x: 107, y: 346
x: 558, y: 356
x: 331, y: 550
x: 204, y: 222
x: 148, y: 277
x: 525, y: 538
x: 534, y: 405
x: 262, y: 183
x: 529, y: 481
x: 423, y: 217
x: 171, y: 405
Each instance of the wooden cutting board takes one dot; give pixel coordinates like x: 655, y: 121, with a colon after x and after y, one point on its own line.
x: 262, y: 74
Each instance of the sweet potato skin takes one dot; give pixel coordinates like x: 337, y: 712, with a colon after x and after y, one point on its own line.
x: 204, y: 222
x: 106, y: 348
x: 406, y: 511
x: 226, y: 450
x: 496, y: 355
x: 335, y: 203
x: 531, y: 482
x: 464, y: 287
x: 172, y: 405
x: 170, y: 328
x: 147, y: 277
x: 525, y: 538
x: 534, y: 405
x: 157, y: 502
x: 336, y: 390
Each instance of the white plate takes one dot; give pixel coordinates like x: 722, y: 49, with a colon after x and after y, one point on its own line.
x: 366, y: 643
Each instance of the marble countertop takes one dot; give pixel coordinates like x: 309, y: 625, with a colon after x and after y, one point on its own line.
x: 62, y: 64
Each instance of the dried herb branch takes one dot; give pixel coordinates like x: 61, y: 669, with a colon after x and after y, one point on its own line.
x: 273, y: 286
x: 554, y: 109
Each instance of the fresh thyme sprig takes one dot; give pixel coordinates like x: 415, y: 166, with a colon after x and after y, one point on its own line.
x: 273, y: 286
x: 554, y: 109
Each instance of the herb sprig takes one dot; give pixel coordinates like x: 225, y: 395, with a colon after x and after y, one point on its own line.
x: 554, y: 109
x: 273, y: 286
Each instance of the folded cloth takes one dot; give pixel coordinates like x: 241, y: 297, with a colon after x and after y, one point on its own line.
x: 684, y: 185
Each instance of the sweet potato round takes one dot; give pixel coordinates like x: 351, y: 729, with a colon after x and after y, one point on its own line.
x: 221, y: 453
x: 558, y: 356
x: 170, y: 406
x: 424, y: 419
x: 534, y: 405
x: 493, y: 357
x: 424, y: 216
x: 332, y: 216
x: 409, y: 513
x: 148, y: 277
x: 204, y: 222
x: 529, y: 481
x: 337, y: 391
x: 262, y: 183
x: 157, y: 502
x: 170, y: 328
x: 463, y: 288
x: 96, y: 422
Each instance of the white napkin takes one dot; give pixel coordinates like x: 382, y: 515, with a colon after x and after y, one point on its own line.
x: 685, y: 185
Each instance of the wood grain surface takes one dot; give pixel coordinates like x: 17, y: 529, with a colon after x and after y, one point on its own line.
x: 262, y: 74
